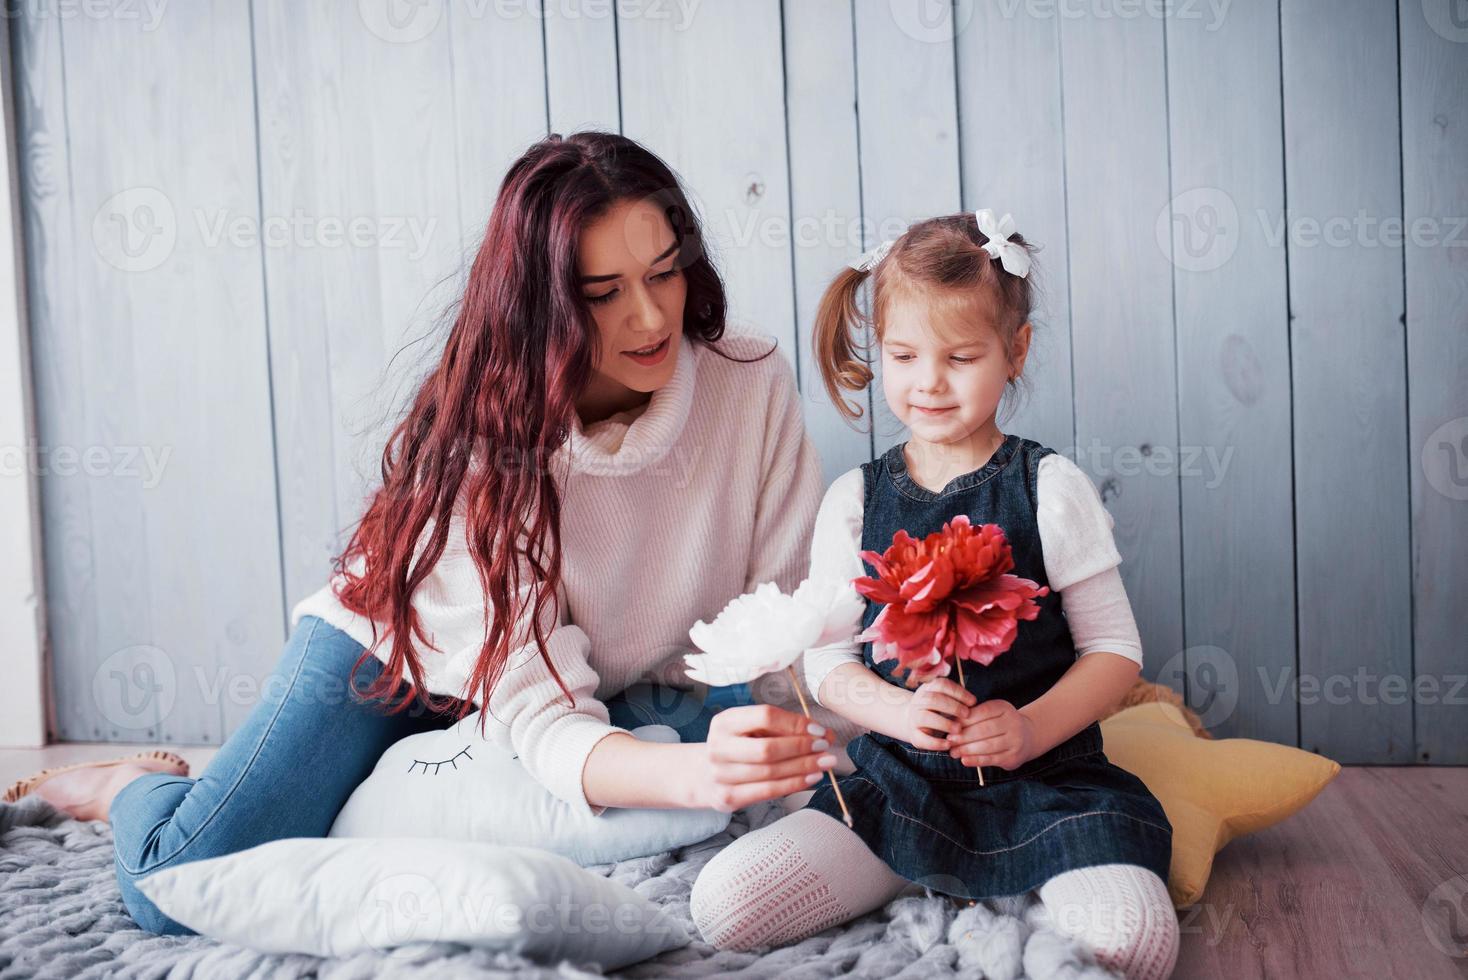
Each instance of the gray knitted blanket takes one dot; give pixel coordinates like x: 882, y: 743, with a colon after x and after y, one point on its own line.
x: 61, y: 916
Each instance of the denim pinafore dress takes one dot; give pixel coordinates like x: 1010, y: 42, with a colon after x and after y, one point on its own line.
x: 924, y: 813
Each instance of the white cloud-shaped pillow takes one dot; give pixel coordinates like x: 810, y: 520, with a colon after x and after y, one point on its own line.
x: 341, y: 897
x: 453, y: 784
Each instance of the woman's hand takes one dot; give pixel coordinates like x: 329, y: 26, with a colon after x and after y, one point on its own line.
x: 933, y: 712
x: 759, y: 752
x: 996, y: 733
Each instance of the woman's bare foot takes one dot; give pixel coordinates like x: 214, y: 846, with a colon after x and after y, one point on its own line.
x: 86, y: 792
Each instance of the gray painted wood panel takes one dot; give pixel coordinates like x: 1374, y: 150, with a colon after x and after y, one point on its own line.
x: 1013, y: 151
x: 57, y: 366
x: 493, y: 53
x: 906, y: 93
x: 825, y: 204
x: 171, y: 353
x: 726, y: 140
x: 1434, y: 59
x: 363, y: 131
x: 1353, y: 573
x: 1121, y: 305
x: 1233, y: 358
x: 581, y: 67
x: 266, y: 368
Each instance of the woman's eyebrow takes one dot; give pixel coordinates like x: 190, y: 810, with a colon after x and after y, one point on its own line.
x: 664, y: 254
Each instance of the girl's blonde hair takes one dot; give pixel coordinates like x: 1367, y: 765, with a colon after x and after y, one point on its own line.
x: 944, y: 255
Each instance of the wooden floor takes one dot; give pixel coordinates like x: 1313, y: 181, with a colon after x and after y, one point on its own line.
x: 1351, y: 886
x: 1369, y: 880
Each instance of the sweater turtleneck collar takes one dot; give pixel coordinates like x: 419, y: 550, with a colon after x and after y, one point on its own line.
x: 633, y: 440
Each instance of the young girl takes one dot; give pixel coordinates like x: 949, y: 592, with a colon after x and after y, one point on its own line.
x: 951, y: 304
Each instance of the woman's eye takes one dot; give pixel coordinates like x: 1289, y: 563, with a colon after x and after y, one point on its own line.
x: 661, y: 276
x: 964, y: 360
x: 603, y: 298
x: 902, y: 358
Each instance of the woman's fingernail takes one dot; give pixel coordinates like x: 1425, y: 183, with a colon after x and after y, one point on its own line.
x: 820, y: 745
x: 815, y: 729
x: 826, y: 761
x: 812, y: 779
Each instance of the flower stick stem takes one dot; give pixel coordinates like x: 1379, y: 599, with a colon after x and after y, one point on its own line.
x: 959, y: 661
x: 845, y: 813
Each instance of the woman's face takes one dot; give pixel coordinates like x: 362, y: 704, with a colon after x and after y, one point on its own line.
x: 625, y: 261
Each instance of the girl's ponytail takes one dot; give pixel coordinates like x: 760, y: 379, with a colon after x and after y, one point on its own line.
x: 835, y: 343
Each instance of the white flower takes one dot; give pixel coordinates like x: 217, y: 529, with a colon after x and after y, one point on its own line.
x: 758, y: 633
x: 837, y: 602
x: 767, y: 631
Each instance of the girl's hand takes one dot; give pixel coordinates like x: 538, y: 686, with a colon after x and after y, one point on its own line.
x: 995, y: 733
x: 933, y: 712
x: 759, y: 752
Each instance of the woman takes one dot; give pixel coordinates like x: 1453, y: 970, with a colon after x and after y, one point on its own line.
x: 592, y: 454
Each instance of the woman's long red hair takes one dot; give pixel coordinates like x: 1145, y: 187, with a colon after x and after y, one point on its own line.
x: 522, y: 348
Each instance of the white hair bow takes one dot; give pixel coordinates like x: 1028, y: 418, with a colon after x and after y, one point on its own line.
x: 1012, y: 256
x: 867, y: 261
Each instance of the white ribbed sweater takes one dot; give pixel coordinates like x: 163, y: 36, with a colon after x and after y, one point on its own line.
x: 667, y: 514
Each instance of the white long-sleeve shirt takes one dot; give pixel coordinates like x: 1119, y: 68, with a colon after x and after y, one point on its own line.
x: 1080, y: 561
x: 668, y: 512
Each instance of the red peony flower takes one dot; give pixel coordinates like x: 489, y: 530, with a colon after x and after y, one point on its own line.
x: 948, y: 598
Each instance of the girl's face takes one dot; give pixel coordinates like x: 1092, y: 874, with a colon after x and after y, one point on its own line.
x: 628, y: 279
x: 943, y: 371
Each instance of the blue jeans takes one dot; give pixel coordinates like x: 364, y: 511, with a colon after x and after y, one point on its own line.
x: 290, y: 767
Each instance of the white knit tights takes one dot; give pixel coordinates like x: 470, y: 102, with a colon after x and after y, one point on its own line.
x: 807, y: 872
x: 1122, y: 912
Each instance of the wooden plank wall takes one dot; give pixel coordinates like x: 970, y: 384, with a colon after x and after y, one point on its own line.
x: 1267, y: 386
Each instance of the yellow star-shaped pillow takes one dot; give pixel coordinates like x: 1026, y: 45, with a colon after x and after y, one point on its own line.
x: 1213, y: 790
